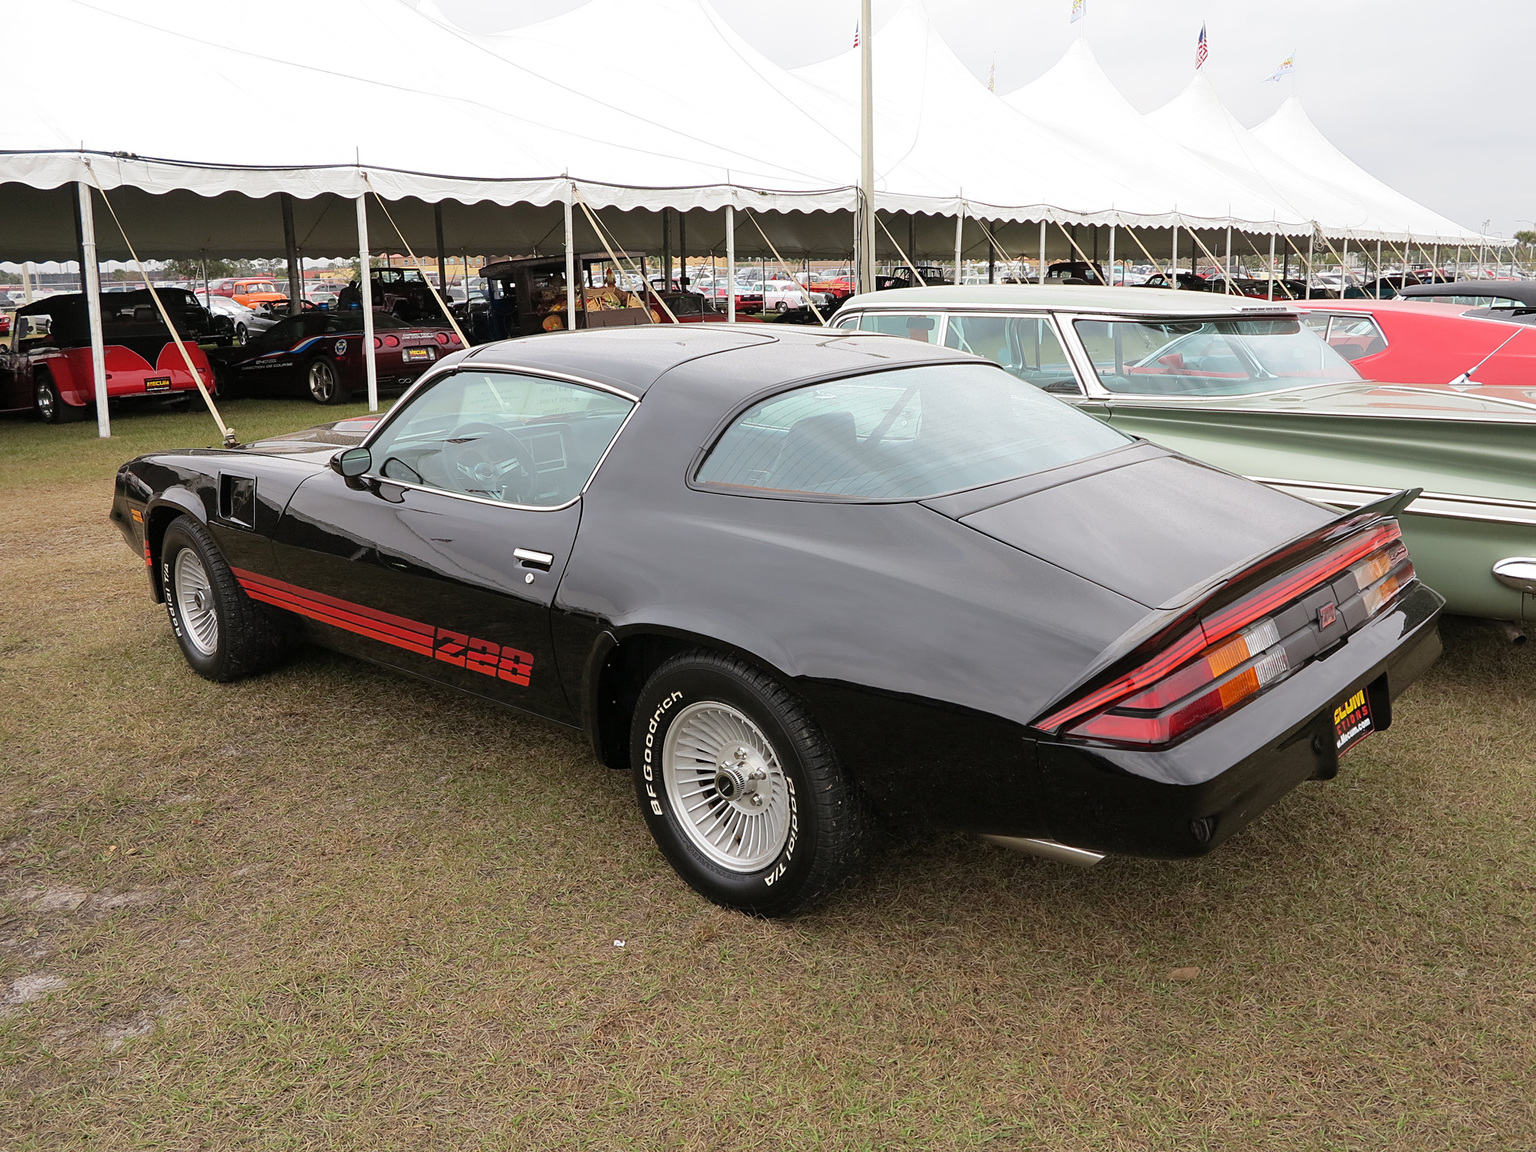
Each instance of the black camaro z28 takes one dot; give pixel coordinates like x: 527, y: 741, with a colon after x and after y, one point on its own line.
x: 797, y: 580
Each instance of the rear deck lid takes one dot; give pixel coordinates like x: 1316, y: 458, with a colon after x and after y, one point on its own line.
x: 1155, y: 530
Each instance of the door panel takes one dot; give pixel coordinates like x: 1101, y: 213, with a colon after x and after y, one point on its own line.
x: 430, y: 582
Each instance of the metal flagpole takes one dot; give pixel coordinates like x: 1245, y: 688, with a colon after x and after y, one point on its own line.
x: 365, y: 285
x: 730, y: 263
x: 90, y: 274
x: 570, y: 259
x: 866, y: 281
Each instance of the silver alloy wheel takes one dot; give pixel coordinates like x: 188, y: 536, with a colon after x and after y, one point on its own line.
x: 322, y: 381
x: 45, y: 400
x: 194, y: 602
x: 726, y: 786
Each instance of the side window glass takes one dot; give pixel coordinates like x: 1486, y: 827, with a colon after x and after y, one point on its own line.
x: 1317, y: 321
x: 502, y: 436
x: 911, y: 326
x: 1355, y: 336
x: 1025, y: 345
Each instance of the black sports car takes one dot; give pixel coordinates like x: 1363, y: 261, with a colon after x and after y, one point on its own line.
x: 793, y: 578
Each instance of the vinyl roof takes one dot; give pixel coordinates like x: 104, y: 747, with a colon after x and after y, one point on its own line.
x: 1066, y: 297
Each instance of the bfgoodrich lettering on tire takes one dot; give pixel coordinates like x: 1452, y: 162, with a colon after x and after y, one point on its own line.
x: 741, y: 791
x: 223, y: 633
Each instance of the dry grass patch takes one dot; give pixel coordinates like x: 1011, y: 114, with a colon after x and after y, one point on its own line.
x: 335, y: 908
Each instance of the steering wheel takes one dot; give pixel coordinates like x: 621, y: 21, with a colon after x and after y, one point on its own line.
x: 492, y: 462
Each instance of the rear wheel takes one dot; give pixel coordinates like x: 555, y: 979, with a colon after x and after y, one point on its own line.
x: 323, y: 379
x: 742, y: 792
x: 782, y: 306
x: 222, y: 632
x: 51, y: 406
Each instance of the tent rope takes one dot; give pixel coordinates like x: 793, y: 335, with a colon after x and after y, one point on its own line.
x: 809, y: 299
x: 415, y: 260
x: 911, y: 267
x: 629, y: 267
x: 225, y: 430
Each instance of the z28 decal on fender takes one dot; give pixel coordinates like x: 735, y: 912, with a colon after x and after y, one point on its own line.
x: 469, y: 652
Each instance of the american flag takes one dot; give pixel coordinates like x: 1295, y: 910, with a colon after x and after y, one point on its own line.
x: 1202, y: 49
x: 855, y: 35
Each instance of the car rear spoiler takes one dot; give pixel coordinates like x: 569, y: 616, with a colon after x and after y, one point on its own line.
x: 1154, y: 631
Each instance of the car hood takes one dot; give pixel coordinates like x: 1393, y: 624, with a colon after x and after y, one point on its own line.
x: 322, y: 438
x: 1143, y: 522
x: 1364, y: 398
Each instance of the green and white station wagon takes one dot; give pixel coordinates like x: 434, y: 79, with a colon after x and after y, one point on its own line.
x: 1245, y: 385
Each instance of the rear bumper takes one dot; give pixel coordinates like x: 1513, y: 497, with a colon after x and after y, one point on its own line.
x: 1186, y: 800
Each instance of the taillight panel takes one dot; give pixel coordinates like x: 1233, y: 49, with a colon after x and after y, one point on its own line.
x: 1245, y: 647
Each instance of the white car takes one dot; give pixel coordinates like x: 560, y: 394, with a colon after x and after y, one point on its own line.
x: 244, y: 322
x: 782, y: 295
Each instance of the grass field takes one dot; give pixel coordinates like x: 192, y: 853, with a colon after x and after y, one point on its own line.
x: 335, y: 908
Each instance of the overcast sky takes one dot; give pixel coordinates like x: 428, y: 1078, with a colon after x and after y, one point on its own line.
x: 1429, y: 95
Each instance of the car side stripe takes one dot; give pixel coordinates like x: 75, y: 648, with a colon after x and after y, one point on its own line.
x: 412, y: 635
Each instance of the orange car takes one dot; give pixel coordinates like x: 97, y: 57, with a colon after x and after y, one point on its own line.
x: 250, y: 291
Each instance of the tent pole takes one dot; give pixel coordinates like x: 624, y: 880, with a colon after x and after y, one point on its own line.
x: 1111, y: 255
x: 1310, y: 237
x: 1271, y: 276
x: 991, y: 261
x: 1378, y: 269
x: 365, y: 284
x: 291, y: 255
x: 959, y: 239
x: 1343, y: 269
x: 442, y: 260
x: 1042, y: 253
x: 1228, y: 287
x: 666, y: 250
x: 730, y: 263
x: 866, y: 266
x: 90, y: 276
x: 1173, y: 243
x: 570, y: 261
x: 682, y: 251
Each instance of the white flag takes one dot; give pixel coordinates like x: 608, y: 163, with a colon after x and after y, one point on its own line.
x: 1286, y: 66
x: 1078, y: 8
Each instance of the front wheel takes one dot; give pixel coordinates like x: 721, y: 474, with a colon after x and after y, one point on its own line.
x: 742, y: 792
x: 324, y: 381
x: 222, y: 632
x: 781, y: 307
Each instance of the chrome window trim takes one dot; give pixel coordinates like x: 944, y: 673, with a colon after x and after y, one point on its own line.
x: 563, y: 377
x: 1445, y: 505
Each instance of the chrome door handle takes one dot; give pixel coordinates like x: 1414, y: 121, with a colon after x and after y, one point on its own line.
x: 531, y: 559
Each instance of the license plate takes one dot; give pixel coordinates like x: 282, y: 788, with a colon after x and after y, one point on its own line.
x: 1352, y: 721
x: 418, y: 353
x: 157, y: 384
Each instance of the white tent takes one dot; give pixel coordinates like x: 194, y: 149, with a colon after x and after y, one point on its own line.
x: 1291, y: 135
x: 1075, y: 96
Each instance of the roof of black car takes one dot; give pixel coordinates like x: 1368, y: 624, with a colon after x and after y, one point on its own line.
x: 753, y: 356
x: 1521, y: 290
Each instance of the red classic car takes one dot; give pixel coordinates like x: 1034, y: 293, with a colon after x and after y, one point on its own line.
x: 1408, y: 342
x: 47, y: 369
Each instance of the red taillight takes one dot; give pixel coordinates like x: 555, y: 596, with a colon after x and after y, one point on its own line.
x: 1236, y: 652
x: 392, y: 341
x: 442, y: 337
x: 377, y: 343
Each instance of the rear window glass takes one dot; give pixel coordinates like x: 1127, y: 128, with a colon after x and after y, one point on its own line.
x: 903, y: 435
x: 1025, y: 346
x: 1209, y: 357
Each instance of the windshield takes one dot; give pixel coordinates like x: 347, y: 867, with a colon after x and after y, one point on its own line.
x: 1209, y: 357
x: 903, y: 435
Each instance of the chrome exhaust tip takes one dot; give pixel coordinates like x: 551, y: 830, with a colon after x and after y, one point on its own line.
x: 1048, y: 850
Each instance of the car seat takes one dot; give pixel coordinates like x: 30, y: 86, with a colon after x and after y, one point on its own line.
x: 817, y: 451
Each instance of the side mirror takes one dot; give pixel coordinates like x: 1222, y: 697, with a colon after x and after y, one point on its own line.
x: 352, y: 463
